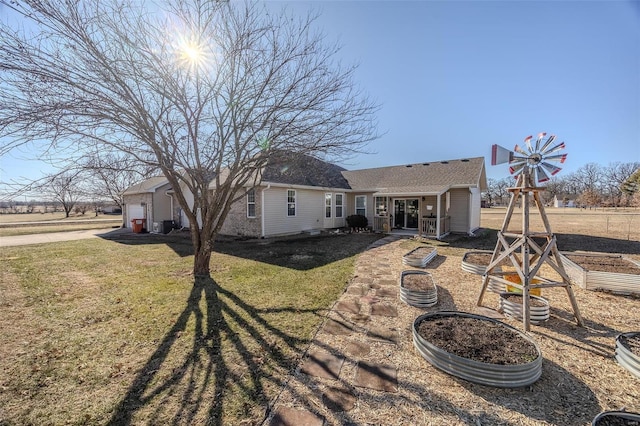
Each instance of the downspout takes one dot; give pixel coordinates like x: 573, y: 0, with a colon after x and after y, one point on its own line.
x: 262, y: 215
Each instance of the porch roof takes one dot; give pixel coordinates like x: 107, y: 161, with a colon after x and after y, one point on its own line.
x: 406, y: 191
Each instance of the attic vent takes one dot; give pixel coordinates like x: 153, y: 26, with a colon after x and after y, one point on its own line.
x: 464, y: 160
x: 409, y: 165
x: 425, y: 164
x: 444, y: 162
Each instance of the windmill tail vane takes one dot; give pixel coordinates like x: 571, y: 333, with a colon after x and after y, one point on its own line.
x: 533, y: 160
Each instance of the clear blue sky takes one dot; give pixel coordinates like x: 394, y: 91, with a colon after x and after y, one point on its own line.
x: 455, y: 77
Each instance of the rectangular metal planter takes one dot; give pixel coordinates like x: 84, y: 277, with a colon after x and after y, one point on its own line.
x: 598, y: 280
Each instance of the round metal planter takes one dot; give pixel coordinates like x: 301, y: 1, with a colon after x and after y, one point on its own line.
x: 417, y: 298
x: 537, y: 314
x: 503, y: 376
x: 616, y: 417
x: 420, y: 257
x: 625, y: 357
x: 475, y: 268
x: 496, y: 286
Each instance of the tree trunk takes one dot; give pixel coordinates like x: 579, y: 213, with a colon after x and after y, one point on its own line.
x: 202, y: 254
x: 201, y: 262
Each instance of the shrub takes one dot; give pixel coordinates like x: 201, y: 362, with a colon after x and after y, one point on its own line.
x: 357, y: 221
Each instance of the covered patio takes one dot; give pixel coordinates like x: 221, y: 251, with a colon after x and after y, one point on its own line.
x: 423, y: 214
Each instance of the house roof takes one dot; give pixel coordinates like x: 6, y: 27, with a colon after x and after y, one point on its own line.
x: 301, y: 169
x: 148, y: 185
x: 288, y: 168
x: 429, y: 177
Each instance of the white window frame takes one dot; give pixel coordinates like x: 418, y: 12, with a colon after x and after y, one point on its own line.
x: 386, y: 206
x: 364, y: 197
x: 327, y: 205
x: 294, y: 203
x: 251, y: 201
x: 341, y: 205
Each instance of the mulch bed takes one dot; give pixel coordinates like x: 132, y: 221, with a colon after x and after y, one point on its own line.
x: 479, y: 340
x: 590, y: 263
x: 418, y: 282
x: 632, y: 343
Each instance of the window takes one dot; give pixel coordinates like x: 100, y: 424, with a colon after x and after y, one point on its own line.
x: 361, y: 205
x: 327, y: 205
x: 381, y: 206
x: 339, y: 198
x: 291, y: 202
x: 251, y: 203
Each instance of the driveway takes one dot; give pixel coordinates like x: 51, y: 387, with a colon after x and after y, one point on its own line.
x: 22, y: 240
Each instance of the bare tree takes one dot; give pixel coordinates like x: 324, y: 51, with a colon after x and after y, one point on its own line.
x: 205, y: 91
x: 111, y: 174
x: 65, y: 189
x: 615, y: 176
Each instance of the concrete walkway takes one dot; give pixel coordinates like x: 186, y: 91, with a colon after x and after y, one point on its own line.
x: 22, y: 240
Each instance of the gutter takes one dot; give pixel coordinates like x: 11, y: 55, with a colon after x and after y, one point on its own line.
x: 262, y: 215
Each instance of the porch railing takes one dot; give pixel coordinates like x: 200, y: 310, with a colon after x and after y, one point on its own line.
x: 429, y: 225
x: 381, y: 223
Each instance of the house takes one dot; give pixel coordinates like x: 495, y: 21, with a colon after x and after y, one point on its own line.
x: 564, y: 200
x: 299, y: 193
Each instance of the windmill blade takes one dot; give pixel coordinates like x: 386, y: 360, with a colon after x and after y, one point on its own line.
x: 527, y: 141
x: 554, y: 149
x: 559, y: 157
x: 540, y: 136
x: 542, y: 175
x: 518, y: 158
x: 520, y: 151
x: 516, y: 168
x: 551, y: 168
x: 547, y: 143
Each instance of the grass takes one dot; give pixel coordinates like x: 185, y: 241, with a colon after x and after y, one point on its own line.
x: 97, y: 331
x: 37, y: 223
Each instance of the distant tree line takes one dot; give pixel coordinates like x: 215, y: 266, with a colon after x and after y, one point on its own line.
x: 592, y: 185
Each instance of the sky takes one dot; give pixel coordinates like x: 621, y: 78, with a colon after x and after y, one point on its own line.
x: 452, y: 78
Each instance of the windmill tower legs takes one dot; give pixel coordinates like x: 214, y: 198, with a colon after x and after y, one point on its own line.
x: 525, y: 254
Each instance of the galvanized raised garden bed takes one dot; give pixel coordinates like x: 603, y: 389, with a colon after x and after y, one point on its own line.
x: 420, y: 257
x: 591, y: 279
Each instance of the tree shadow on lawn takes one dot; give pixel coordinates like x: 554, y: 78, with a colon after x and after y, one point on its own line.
x: 234, y: 355
x: 300, y: 252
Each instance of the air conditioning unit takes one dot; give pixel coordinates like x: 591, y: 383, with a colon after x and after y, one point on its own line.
x: 156, y: 228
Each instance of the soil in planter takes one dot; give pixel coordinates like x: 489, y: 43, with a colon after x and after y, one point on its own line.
x: 478, y: 340
x: 418, y: 282
x: 517, y: 298
x: 616, y: 421
x: 420, y: 252
x: 604, y: 264
x: 632, y: 343
x: 483, y: 259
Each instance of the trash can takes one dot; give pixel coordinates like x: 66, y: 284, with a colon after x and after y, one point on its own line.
x: 137, y: 225
x: 167, y: 226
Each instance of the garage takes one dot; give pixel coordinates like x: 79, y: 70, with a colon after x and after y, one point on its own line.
x: 134, y: 211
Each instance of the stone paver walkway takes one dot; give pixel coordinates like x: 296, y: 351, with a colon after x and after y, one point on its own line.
x: 362, y: 318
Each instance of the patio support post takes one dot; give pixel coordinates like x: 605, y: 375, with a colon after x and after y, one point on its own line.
x: 438, y: 217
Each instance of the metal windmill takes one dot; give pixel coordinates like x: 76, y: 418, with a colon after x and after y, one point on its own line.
x: 528, y: 250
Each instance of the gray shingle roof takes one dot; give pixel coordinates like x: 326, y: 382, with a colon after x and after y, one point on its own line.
x: 148, y: 185
x: 300, y: 169
x: 428, y: 177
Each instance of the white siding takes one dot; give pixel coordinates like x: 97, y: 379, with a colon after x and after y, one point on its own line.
x: 459, y: 210
x: 474, y: 209
x: 309, y: 211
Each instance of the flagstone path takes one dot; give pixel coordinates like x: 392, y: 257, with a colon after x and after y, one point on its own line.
x: 363, y: 317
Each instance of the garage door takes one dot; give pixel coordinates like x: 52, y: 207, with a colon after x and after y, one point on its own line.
x: 134, y: 211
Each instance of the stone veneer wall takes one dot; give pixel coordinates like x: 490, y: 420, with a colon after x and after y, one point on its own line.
x: 237, y: 222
